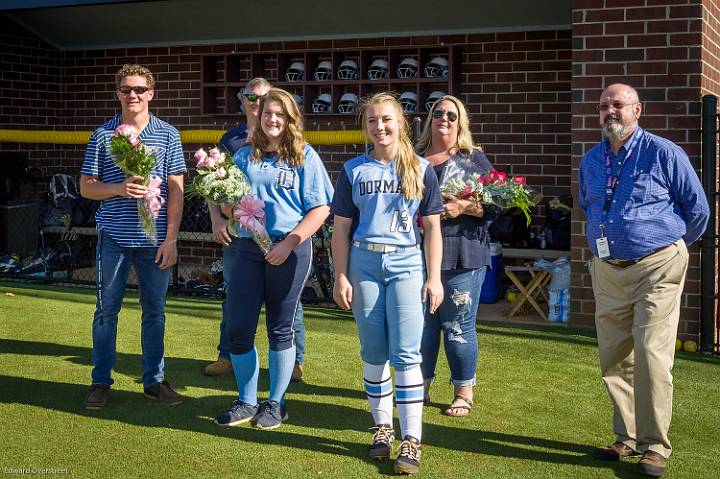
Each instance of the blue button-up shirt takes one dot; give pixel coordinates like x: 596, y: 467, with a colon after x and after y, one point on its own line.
x: 657, y: 201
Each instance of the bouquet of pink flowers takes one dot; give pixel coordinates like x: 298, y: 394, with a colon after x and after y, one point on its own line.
x: 135, y: 158
x: 250, y: 214
x: 462, y: 179
x: 220, y: 181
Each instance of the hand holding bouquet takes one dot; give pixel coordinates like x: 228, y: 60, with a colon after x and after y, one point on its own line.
x: 462, y: 179
x: 250, y: 214
x: 137, y: 159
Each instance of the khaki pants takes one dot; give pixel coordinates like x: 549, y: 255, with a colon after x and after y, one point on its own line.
x: 637, y: 310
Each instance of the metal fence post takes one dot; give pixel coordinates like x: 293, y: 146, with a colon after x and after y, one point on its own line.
x: 708, y: 312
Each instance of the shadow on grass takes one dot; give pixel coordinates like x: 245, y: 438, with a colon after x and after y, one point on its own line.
x: 181, y: 372
x: 544, y: 332
x: 195, y: 415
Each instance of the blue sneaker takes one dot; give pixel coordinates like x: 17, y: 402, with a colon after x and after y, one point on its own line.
x: 239, y: 413
x: 270, y: 415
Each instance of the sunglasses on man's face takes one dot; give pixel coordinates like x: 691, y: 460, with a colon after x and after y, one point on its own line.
x: 451, y: 115
x: 251, y: 97
x: 139, y: 90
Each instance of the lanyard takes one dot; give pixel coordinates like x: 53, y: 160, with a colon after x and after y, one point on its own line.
x: 612, y: 180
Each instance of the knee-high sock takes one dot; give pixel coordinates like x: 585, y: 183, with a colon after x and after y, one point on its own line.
x: 281, y: 365
x: 246, y: 369
x: 409, y: 394
x: 378, y: 387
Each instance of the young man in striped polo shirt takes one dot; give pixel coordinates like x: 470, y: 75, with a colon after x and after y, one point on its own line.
x: 121, y: 240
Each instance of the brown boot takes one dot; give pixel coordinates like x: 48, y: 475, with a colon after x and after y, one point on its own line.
x: 220, y: 367
x: 615, y: 452
x: 163, y: 392
x: 652, y: 464
x: 297, y: 374
x: 97, y: 396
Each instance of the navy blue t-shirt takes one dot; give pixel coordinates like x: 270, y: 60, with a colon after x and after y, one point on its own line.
x: 235, y: 138
x: 466, y: 240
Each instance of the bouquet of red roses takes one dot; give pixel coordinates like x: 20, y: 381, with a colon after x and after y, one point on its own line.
x: 463, y: 179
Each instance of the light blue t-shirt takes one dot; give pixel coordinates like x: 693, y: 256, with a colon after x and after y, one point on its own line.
x: 288, y: 192
x: 370, y: 192
x: 118, y: 216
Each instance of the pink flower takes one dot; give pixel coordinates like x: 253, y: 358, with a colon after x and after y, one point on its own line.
x: 519, y: 180
x: 134, y: 140
x: 493, y: 176
x: 125, y: 130
x: 216, y: 155
x: 466, y: 192
x: 200, y: 155
x: 502, y: 176
x: 250, y: 214
x: 153, y: 200
x: 484, y: 180
x: 221, y: 173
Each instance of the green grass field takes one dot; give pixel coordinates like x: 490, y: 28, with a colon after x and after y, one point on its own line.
x: 540, y: 404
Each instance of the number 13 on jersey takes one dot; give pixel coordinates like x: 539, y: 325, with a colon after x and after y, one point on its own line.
x: 400, y: 222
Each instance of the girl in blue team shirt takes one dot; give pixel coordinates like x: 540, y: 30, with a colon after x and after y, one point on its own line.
x: 290, y: 178
x: 379, y: 269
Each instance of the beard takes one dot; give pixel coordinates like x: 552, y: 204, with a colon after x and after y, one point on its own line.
x: 615, y: 130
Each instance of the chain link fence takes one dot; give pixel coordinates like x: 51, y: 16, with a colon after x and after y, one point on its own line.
x: 47, y: 234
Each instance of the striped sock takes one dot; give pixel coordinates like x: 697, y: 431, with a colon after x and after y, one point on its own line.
x: 409, y: 395
x: 246, y: 369
x: 378, y: 387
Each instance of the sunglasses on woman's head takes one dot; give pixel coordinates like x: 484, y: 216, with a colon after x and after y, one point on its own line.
x: 139, y: 90
x: 451, y: 115
x: 253, y: 96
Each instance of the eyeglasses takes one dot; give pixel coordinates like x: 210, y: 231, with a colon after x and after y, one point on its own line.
x: 618, y: 105
x: 251, y: 97
x: 451, y: 115
x: 139, y: 90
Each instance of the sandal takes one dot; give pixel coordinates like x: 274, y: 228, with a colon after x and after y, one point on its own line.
x: 459, y: 410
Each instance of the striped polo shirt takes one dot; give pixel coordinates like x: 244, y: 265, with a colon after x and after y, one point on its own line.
x: 118, y: 216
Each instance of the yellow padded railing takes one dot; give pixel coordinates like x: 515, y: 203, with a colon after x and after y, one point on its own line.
x: 340, y: 137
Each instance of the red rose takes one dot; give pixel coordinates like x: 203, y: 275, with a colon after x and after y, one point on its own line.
x: 519, y: 179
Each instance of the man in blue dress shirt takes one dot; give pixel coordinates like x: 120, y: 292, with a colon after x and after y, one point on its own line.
x: 644, y: 204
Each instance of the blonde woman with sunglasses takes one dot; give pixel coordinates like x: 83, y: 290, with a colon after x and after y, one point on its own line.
x: 466, y: 257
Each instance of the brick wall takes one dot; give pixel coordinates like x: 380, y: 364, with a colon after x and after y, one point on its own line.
x: 516, y: 86
x: 30, y: 89
x: 654, y: 45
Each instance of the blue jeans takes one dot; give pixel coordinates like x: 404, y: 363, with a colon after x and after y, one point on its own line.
x: 455, y: 318
x: 113, y: 266
x: 387, y: 305
x: 224, y: 344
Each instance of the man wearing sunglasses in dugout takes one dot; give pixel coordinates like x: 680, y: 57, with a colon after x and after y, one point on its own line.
x: 232, y: 141
x: 121, y: 240
x: 643, y: 203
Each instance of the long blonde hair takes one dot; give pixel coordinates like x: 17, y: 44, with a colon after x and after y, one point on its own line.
x: 464, y: 141
x: 292, y: 144
x: 407, y: 163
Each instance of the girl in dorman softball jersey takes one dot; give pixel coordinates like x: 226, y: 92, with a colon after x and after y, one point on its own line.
x: 290, y: 178
x: 379, y: 269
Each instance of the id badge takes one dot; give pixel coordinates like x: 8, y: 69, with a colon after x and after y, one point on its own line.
x: 603, y: 248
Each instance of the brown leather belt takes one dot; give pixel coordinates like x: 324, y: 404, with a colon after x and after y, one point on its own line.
x: 624, y: 263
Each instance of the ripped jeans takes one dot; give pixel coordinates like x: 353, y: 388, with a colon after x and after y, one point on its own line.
x: 455, y: 318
